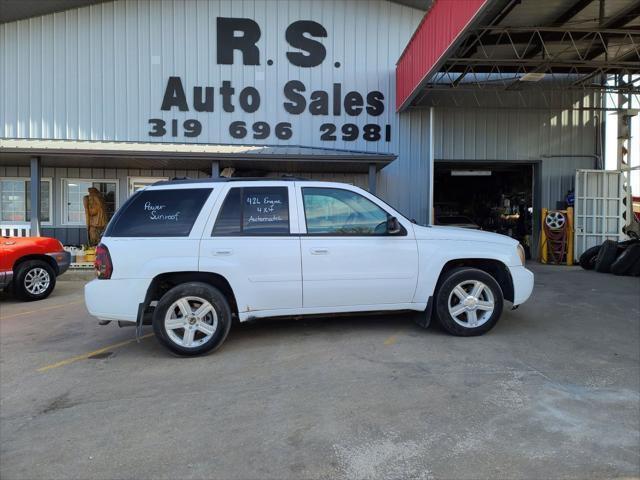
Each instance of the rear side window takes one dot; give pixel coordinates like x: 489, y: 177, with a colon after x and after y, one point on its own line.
x: 252, y: 211
x: 159, y: 213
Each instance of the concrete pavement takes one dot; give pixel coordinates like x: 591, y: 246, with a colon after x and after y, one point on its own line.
x: 551, y: 392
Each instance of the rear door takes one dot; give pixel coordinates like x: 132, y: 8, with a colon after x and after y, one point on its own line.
x: 252, y: 240
x: 348, y: 257
x: 158, y: 230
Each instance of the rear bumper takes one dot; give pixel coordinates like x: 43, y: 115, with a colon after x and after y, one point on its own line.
x: 522, y: 284
x: 117, y: 299
x: 62, y: 259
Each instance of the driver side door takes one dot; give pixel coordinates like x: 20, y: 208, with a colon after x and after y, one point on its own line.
x: 348, y: 258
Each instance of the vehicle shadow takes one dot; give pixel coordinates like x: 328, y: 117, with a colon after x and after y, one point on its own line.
x: 374, y: 323
x: 277, y: 331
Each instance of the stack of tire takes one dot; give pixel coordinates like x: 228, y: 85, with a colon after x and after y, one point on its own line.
x: 619, y: 258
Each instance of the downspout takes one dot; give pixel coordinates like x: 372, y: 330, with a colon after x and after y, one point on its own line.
x: 36, y: 178
x: 432, y: 163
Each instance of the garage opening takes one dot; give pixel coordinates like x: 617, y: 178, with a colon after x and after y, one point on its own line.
x: 491, y: 197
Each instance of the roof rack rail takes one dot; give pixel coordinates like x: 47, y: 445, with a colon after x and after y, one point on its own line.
x: 183, y: 180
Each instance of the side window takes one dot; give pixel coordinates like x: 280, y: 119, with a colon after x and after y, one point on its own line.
x: 254, y: 211
x: 159, y: 213
x: 333, y: 211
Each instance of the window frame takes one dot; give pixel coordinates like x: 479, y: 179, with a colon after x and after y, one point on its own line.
x: 242, y: 234
x: 133, y: 178
x: 28, y: 222
x: 64, y: 206
x: 402, y: 233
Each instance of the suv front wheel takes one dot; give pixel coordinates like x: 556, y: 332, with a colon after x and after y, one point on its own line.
x: 192, y: 318
x: 468, y: 302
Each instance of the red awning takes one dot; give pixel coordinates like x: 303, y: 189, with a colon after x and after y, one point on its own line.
x: 432, y: 40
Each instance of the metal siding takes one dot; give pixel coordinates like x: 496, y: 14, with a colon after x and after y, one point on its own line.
x: 405, y: 182
x: 99, y: 72
x: 490, y: 135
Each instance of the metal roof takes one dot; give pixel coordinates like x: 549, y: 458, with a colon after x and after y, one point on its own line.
x: 418, y: 4
x: 526, y: 45
x: 11, y: 10
x: 289, y: 157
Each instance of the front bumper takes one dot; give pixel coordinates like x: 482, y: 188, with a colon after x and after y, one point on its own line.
x: 62, y: 259
x: 522, y: 284
x: 5, y: 279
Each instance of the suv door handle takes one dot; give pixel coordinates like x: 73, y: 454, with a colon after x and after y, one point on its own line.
x: 225, y: 251
x: 319, y: 251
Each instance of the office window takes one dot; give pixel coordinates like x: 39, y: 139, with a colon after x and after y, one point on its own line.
x: 138, y: 183
x: 15, y: 200
x: 73, y: 191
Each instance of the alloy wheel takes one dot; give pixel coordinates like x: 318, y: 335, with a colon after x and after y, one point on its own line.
x: 36, y: 281
x: 471, y: 304
x: 191, y: 322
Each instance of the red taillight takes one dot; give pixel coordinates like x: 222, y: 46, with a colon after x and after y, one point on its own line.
x: 102, y: 263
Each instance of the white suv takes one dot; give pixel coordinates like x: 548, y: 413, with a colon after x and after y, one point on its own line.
x: 188, y: 255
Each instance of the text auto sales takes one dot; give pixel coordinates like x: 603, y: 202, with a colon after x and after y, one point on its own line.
x: 242, y: 34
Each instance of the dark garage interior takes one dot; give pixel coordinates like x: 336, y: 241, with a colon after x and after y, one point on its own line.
x: 492, y: 197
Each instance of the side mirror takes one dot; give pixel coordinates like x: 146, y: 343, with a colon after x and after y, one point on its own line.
x: 393, y: 226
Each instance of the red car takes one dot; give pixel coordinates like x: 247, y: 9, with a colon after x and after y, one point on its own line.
x: 30, y: 265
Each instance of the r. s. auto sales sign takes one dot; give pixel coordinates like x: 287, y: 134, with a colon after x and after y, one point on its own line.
x: 294, y: 97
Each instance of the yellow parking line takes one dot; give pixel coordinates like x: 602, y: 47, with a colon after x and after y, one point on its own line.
x: 2, y: 317
x: 391, y: 340
x: 84, y: 356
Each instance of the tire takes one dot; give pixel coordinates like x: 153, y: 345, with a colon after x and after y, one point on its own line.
x: 606, y: 256
x: 204, y: 333
x: 626, y: 260
x: 34, y: 280
x: 587, y: 259
x: 627, y: 243
x: 447, y: 300
x: 635, y: 269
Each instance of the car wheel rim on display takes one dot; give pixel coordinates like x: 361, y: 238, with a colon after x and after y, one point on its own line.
x: 191, y: 322
x: 471, y: 304
x: 36, y: 281
x: 555, y: 220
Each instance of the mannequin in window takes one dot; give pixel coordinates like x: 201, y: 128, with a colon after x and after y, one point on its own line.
x: 95, y: 210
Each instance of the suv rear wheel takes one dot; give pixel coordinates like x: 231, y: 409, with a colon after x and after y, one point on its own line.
x: 468, y: 302
x: 192, y: 318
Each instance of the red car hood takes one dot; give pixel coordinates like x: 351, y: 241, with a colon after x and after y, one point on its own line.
x: 39, y: 244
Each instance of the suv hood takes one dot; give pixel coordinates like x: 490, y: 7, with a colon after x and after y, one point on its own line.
x: 456, y: 233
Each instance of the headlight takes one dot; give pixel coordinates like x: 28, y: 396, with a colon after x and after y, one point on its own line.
x: 521, y: 253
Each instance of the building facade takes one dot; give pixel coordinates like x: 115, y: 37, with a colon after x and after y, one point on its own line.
x: 120, y: 94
